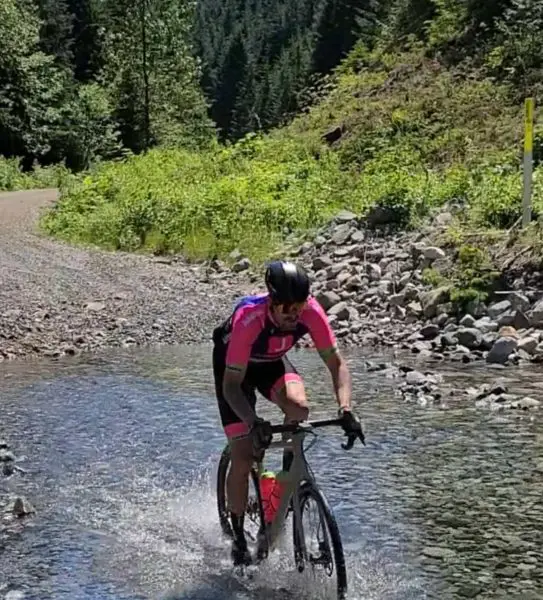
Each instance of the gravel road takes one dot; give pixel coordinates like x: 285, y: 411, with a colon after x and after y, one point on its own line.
x: 56, y: 299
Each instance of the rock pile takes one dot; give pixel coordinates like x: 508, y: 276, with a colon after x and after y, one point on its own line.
x: 428, y: 389
x: 496, y: 397
x: 373, y: 291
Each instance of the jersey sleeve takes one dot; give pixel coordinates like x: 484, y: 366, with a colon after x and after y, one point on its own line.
x: 246, y: 326
x: 319, y: 328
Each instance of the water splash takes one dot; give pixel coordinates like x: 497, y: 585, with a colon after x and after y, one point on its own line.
x: 168, y: 544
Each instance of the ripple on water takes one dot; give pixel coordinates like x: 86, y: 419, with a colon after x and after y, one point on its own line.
x: 122, y: 454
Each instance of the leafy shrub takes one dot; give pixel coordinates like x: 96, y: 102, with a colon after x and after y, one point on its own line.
x: 473, y: 276
x: 167, y: 200
x: 13, y: 178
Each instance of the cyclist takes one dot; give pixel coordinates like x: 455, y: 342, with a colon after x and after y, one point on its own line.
x: 249, y: 354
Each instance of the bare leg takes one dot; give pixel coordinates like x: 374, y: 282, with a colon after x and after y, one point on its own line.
x: 237, y: 481
x: 292, y: 400
x: 237, y: 490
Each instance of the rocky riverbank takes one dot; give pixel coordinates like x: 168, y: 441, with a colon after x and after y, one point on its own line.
x: 373, y: 288
x: 427, y: 388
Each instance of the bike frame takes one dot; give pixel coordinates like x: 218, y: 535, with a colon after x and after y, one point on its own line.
x: 298, y: 473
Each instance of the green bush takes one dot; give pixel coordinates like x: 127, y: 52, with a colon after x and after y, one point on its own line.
x: 473, y: 277
x: 202, y: 204
x: 13, y: 178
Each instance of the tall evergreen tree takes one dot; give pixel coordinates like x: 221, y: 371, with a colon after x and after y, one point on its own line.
x: 32, y: 87
x: 409, y: 17
x: 70, y: 32
x: 88, y: 37
x: 56, y: 34
x: 152, y: 72
x: 338, y: 31
x: 229, y: 86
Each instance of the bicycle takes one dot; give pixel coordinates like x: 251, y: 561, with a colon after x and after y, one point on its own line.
x: 300, y: 487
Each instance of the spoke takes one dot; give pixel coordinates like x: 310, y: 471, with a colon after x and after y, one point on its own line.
x: 322, y: 555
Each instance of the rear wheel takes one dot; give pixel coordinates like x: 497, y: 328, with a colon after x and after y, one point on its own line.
x: 254, y: 514
x: 323, y: 554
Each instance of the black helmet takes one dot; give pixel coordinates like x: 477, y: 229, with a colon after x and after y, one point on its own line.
x: 287, y: 282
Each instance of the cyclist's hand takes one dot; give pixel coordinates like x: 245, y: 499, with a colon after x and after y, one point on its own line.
x: 261, y: 436
x: 351, y: 426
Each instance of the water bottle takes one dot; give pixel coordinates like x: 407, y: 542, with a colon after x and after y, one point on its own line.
x: 267, y: 484
x: 270, y: 491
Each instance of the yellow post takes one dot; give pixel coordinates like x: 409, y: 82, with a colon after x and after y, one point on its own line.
x: 528, y: 160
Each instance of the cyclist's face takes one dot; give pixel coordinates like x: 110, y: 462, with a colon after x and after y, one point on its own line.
x: 287, y: 315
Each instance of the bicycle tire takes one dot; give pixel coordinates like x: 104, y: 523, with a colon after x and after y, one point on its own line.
x: 308, y: 491
x: 224, y: 463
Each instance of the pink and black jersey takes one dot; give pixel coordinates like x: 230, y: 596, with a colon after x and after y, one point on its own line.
x: 251, y: 335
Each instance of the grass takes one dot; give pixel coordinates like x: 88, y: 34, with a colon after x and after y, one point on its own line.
x: 416, y: 136
x: 12, y: 177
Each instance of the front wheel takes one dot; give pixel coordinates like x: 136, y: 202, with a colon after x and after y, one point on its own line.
x: 325, y: 554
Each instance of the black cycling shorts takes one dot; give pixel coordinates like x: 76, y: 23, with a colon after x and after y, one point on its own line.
x: 266, y: 377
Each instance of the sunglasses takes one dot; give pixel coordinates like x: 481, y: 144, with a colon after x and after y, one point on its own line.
x: 293, y: 308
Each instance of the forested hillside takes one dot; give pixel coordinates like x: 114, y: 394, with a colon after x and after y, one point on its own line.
x: 259, y: 57
x: 83, y: 79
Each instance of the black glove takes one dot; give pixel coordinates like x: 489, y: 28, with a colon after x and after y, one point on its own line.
x: 261, y: 436
x: 351, y: 426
